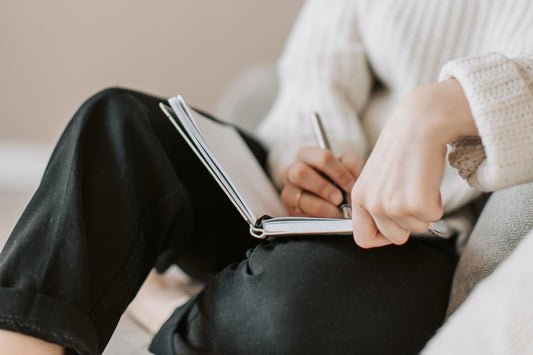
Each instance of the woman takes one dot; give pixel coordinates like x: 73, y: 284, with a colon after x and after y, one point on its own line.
x: 116, y: 196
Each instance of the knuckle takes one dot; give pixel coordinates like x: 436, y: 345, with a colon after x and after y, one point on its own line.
x: 375, y: 207
x: 353, y: 159
x: 396, y: 209
x: 425, y: 208
x: 325, y: 189
x: 417, y: 207
x: 348, y: 156
x: 345, y: 178
x: 326, y: 158
x: 297, y: 172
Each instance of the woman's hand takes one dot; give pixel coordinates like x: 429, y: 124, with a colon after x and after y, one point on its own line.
x: 307, y: 190
x: 398, y: 189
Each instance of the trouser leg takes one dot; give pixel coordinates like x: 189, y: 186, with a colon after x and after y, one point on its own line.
x: 121, y: 189
x: 318, y: 295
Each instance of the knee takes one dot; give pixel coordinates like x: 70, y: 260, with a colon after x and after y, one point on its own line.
x: 111, y: 108
x: 307, y: 295
x: 111, y: 96
x: 279, y: 300
x: 109, y: 93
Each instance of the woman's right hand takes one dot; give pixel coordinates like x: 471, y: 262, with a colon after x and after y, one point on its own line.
x: 308, y: 190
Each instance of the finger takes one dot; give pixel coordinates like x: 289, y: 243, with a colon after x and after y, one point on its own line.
x: 390, y: 230
x: 353, y: 162
x: 428, y: 209
x: 307, y: 204
x: 422, y: 203
x: 306, y: 178
x: 314, y: 206
x: 365, y: 231
x: 326, y: 163
x: 289, y: 197
x: 410, y: 223
x: 295, y: 212
x: 404, y: 218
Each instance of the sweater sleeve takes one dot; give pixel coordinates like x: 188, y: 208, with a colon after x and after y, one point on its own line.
x: 500, y: 93
x: 323, y: 69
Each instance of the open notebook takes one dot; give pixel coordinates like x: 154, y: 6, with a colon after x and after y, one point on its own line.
x: 229, y: 160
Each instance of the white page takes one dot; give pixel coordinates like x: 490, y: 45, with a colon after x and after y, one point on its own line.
x: 283, y: 226
x: 241, y: 167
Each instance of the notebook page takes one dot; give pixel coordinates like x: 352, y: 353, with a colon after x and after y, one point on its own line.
x: 189, y: 131
x: 241, y: 167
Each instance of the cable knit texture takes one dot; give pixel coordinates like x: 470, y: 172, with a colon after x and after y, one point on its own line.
x: 500, y: 94
x: 354, y: 60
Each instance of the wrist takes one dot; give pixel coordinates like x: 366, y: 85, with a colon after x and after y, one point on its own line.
x: 448, y: 112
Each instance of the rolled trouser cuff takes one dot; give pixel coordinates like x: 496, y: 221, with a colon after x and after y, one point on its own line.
x: 47, y: 318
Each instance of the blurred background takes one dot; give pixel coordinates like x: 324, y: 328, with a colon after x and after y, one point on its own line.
x: 57, y: 53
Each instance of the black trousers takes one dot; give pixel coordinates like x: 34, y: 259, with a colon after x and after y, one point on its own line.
x: 122, y: 193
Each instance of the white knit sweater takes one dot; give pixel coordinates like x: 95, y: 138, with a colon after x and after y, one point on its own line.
x: 353, y: 60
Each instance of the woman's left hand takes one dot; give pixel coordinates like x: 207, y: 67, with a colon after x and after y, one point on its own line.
x: 398, y: 191
x: 308, y: 182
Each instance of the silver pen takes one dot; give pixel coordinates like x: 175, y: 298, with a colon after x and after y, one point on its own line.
x: 322, y: 141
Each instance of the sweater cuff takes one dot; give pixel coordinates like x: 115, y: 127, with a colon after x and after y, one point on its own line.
x: 501, y: 102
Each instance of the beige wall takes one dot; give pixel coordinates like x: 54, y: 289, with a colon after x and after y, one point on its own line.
x: 56, y: 53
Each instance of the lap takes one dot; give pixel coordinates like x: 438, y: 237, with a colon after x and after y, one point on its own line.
x: 320, y: 294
